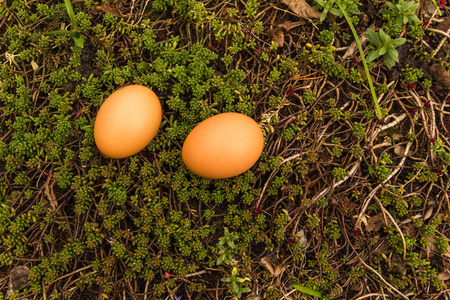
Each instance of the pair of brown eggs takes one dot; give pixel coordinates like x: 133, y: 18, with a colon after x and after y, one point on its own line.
x: 221, y: 146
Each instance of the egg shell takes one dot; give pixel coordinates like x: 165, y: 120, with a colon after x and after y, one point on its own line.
x: 223, y: 146
x: 127, y: 121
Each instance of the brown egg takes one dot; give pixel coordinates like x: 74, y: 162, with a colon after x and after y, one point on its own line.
x: 127, y: 121
x: 223, y: 146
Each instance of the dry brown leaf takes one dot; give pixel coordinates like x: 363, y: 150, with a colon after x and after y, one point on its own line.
x: 448, y: 252
x: 410, y: 219
x: 302, y: 9
x: 272, y: 265
x: 277, y: 35
x: 356, y: 287
x: 350, y: 52
x: 444, y: 276
x: 375, y: 223
x: 382, y: 248
x: 18, y: 278
x: 110, y: 10
x: 441, y: 76
x: 352, y: 261
x: 410, y: 231
x: 445, y: 25
x: 253, y: 297
x: 396, y: 137
x: 289, y: 25
x: 48, y: 191
x: 399, y: 150
x: 431, y: 247
x: 302, y: 240
x: 428, y: 213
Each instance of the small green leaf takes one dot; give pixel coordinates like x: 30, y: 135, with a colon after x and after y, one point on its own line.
x: 220, y: 259
x: 336, y: 12
x: 307, y: 290
x: 373, y: 38
x: 323, y: 15
x: 372, y: 55
x: 398, y: 42
x: 389, y: 61
x: 79, y: 41
x: 371, y: 173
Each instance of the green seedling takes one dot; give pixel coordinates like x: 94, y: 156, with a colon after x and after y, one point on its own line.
x: 78, y: 38
x: 326, y: 6
x: 402, y: 12
x: 383, y: 46
x: 226, y: 246
x: 237, y: 283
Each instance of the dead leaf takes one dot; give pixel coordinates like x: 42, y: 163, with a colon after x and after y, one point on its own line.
x: 444, y: 276
x: 382, y: 248
x: 356, y: 287
x: 399, y: 150
x: 428, y: 213
x: 365, y: 19
x: 277, y: 35
x: 289, y: 25
x: 396, y: 137
x: 18, y: 278
x: 448, y: 252
x: 253, y: 297
x: 375, y: 223
x: 48, y: 191
x: 302, y: 9
x: 441, y: 76
x: 409, y: 220
x: 431, y: 247
x: 272, y: 265
x: 302, y: 240
x: 352, y: 261
x: 350, y: 52
x: 444, y: 26
x: 410, y: 231
x: 109, y: 9
x: 362, y: 71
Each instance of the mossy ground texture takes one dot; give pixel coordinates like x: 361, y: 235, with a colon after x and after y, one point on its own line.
x: 341, y: 204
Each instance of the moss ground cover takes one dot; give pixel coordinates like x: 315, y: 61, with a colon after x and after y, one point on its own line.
x: 340, y: 204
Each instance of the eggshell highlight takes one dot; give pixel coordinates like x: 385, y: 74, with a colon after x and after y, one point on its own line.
x: 223, y: 146
x: 127, y: 121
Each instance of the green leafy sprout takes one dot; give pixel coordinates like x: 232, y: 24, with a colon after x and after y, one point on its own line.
x: 383, y: 46
x: 237, y: 283
x: 326, y: 6
x: 402, y: 12
x: 226, y: 246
